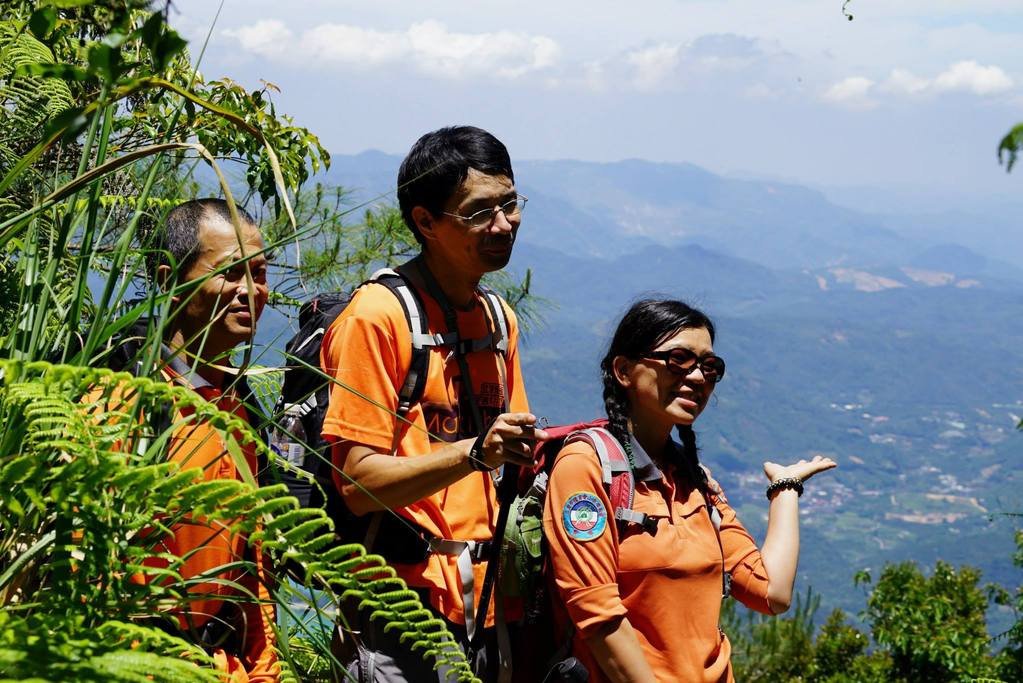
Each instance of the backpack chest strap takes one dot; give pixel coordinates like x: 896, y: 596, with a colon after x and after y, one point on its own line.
x: 421, y: 340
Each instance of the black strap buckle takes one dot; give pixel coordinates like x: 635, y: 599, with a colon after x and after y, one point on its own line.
x: 480, y: 552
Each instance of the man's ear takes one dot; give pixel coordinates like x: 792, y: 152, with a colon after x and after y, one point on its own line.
x: 621, y: 366
x: 165, y: 280
x: 423, y: 219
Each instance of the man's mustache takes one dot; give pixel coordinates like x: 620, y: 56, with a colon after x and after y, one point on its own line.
x: 499, y: 240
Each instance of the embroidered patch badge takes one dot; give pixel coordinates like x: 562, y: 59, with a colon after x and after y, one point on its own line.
x: 584, y: 516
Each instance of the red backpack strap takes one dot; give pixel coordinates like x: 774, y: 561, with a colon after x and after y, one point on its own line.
x: 547, y: 451
x: 616, y: 473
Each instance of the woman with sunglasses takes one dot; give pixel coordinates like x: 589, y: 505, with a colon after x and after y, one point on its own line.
x: 644, y: 596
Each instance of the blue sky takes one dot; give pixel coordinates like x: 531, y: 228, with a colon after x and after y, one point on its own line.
x: 913, y: 94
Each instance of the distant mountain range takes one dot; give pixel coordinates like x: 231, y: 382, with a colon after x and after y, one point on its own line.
x: 864, y: 336
x: 609, y: 209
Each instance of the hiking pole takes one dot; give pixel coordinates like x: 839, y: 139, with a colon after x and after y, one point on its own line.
x: 506, y: 491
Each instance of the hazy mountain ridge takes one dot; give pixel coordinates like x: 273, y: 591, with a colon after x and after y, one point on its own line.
x: 605, y: 210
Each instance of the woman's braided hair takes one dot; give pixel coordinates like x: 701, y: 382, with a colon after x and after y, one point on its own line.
x: 645, y: 326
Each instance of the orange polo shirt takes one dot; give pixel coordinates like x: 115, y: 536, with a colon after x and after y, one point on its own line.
x: 206, y: 544
x: 667, y: 584
x: 368, y: 350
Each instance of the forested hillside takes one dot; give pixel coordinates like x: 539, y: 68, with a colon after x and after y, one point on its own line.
x: 900, y: 357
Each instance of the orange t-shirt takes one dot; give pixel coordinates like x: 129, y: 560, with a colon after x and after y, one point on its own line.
x: 367, y: 350
x: 667, y: 584
x: 205, y: 544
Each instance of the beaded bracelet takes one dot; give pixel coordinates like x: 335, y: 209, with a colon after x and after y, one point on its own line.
x: 787, y: 483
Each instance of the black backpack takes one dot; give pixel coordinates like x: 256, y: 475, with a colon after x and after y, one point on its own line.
x: 306, y: 392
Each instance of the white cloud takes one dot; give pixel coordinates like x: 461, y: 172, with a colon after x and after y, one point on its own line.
x: 653, y: 65
x: 594, y: 77
x: 267, y: 38
x: 667, y: 64
x: 510, y: 55
x: 904, y: 82
x: 343, y: 44
x: 972, y: 77
x: 968, y: 76
x: 853, y: 92
x: 428, y: 46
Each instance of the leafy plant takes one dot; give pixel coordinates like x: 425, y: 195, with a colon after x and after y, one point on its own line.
x: 841, y: 655
x: 102, y: 123
x: 933, y: 627
x: 771, y: 648
x: 1010, y: 147
x: 1010, y: 660
x: 92, y: 494
x: 923, y: 628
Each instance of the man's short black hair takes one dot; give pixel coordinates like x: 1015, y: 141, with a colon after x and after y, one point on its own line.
x: 439, y: 163
x: 176, y: 242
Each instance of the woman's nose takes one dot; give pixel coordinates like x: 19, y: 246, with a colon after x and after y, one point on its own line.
x: 696, y: 374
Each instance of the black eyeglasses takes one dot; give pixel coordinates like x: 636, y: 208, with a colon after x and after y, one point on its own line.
x: 683, y: 362
x: 485, y: 217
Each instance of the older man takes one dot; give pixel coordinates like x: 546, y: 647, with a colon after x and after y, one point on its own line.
x: 216, y: 269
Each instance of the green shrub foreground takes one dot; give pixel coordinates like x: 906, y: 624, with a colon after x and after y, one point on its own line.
x: 103, y: 121
x: 921, y: 628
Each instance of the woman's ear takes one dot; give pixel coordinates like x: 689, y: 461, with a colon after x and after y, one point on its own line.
x: 423, y: 219
x: 621, y: 366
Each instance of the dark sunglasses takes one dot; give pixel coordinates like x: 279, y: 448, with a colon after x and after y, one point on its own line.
x: 683, y: 362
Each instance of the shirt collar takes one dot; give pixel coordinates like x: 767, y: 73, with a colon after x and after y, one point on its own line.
x: 645, y: 469
x: 184, y: 372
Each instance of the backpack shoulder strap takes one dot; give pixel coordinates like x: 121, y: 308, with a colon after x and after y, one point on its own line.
x: 616, y: 474
x: 256, y: 419
x: 499, y: 337
x: 412, y: 388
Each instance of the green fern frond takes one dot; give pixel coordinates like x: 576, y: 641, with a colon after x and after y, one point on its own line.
x: 41, y: 648
x: 26, y: 103
x: 28, y: 100
x: 112, y: 493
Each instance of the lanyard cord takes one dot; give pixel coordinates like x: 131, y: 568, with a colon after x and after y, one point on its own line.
x: 726, y: 580
x: 506, y: 487
x: 451, y: 322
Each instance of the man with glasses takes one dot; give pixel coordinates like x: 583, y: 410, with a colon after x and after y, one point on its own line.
x: 428, y: 470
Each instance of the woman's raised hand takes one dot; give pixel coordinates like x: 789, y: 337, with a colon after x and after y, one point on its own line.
x: 802, y: 470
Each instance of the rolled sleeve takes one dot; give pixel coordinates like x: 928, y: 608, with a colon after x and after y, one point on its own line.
x: 743, y: 560
x: 586, y: 572
x: 589, y: 607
